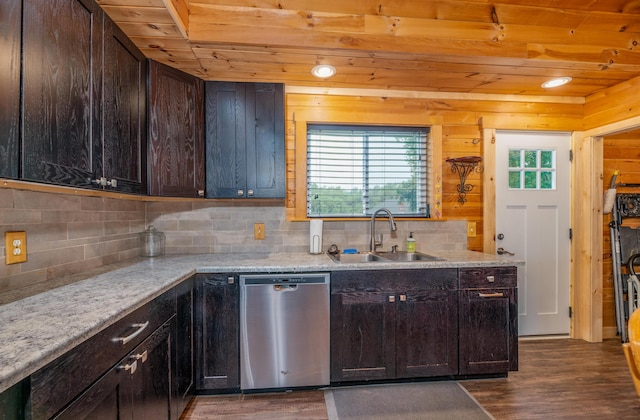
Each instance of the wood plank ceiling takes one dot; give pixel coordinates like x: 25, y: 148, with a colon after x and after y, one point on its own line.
x: 470, y: 46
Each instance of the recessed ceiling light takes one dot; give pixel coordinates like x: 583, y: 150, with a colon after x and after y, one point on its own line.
x: 558, y: 81
x: 323, y: 71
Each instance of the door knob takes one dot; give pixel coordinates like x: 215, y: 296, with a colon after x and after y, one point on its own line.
x: 502, y: 251
x: 500, y: 236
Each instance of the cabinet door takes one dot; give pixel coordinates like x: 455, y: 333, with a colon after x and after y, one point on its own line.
x: 176, y: 133
x: 10, y: 41
x: 62, y: 91
x: 124, y: 123
x: 362, y: 336
x: 217, y: 336
x: 245, y: 140
x: 14, y: 401
x: 107, y: 399
x: 363, y: 320
x: 487, y: 321
x: 265, y: 140
x: 427, y: 333
x: 184, y: 383
x: 225, y: 138
x: 151, y: 381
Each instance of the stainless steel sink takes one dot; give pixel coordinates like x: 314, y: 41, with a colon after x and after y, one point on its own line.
x: 356, y: 258
x: 408, y: 256
x: 368, y: 257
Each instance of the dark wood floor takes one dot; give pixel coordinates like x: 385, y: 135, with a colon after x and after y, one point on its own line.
x: 558, y: 379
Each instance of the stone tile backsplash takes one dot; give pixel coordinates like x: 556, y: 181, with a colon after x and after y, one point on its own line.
x: 67, y: 234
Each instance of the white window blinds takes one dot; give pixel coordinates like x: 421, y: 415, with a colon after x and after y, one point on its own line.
x: 354, y: 170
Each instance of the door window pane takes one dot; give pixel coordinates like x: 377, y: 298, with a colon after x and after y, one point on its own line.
x: 514, y: 158
x: 532, y: 169
x: 530, y: 159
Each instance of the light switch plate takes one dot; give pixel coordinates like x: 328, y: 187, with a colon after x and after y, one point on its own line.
x: 15, y: 247
x: 258, y: 231
x: 471, y: 229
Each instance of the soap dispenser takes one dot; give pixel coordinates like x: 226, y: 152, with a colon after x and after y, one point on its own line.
x: 411, y: 243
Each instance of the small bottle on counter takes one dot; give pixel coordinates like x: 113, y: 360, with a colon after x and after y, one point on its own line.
x: 411, y: 243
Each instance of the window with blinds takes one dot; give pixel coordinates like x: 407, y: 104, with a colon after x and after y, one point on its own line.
x: 354, y: 170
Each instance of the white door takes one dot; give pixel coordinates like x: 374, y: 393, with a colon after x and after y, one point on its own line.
x: 532, y: 222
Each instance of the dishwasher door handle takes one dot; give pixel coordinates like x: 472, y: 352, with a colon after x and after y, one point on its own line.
x: 285, y: 287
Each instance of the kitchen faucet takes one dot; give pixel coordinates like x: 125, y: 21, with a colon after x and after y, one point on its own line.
x: 392, y: 227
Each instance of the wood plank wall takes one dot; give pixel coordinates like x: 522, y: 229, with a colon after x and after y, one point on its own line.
x: 461, y: 132
x: 621, y: 153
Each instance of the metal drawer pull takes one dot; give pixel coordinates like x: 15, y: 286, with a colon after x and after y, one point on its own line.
x: 130, y: 367
x: 142, y: 357
x: 125, y: 340
x: 489, y: 295
x: 392, y: 299
x: 403, y: 298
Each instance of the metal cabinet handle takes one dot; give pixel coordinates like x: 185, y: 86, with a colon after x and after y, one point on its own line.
x: 231, y: 280
x: 131, y: 367
x: 403, y: 298
x: 142, y: 357
x: 392, y: 299
x: 240, y: 193
x: 490, y: 295
x: 125, y: 340
x: 250, y: 193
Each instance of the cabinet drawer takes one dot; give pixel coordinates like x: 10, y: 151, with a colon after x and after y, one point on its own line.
x: 85, y: 363
x: 488, y: 277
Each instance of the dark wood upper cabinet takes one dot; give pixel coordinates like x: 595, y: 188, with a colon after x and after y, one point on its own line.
x: 176, y: 132
x: 10, y: 41
x: 245, y: 140
x: 62, y: 91
x: 84, y: 99
x: 124, y: 115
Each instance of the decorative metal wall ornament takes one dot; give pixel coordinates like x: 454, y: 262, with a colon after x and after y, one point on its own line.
x: 463, y: 166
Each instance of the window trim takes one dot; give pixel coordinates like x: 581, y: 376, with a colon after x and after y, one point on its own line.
x: 297, y: 164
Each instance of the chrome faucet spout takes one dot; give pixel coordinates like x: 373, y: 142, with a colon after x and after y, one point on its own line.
x: 392, y: 228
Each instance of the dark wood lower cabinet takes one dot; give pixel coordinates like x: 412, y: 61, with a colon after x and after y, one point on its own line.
x: 488, y: 320
x: 388, y: 324
x: 184, y: 371
x: 362, y: 334
x: 217, y: 332
x: 426, y: 334
x: 137, y: 387
x: 141, y: 367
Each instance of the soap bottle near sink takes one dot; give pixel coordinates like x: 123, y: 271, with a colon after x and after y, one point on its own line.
x: 411, y: 243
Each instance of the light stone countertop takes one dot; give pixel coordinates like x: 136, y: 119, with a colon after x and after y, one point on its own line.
x: 38, y: 329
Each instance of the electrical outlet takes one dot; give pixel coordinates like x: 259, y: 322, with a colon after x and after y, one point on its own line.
x: 15, y: 247
x: 258, y: 231
x: 471, y: 229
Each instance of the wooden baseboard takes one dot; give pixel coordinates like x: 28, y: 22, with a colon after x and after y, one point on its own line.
x: 609, y: 332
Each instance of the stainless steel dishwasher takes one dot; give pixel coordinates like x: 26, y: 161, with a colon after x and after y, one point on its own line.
x: 284, y: 330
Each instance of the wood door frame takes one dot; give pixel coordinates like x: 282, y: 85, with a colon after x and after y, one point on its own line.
x: 586, y: 219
